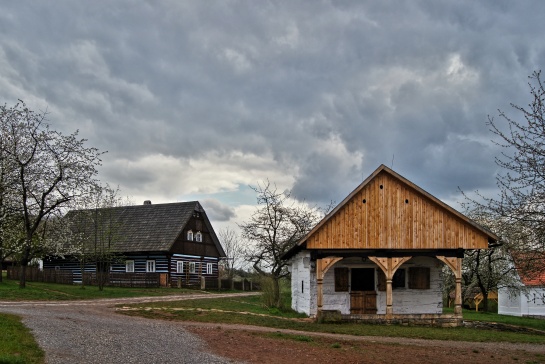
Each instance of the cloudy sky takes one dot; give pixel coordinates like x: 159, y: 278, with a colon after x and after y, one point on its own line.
x: 199, y: 99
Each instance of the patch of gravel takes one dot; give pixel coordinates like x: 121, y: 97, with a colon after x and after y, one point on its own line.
x: 95, y: 334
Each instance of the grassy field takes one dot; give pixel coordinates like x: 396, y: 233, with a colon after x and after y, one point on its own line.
x: 16, y: 343
x: 37, y: 291
x: 250, y: 311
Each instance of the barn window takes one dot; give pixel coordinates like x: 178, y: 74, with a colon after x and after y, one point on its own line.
x: 398, y: 281
x: 150, y: 266
x: 341, y: 279
x: 179, y: 267
x: 191, y: 267
x: 419, y: 278
x: 198, y: 236
x: 129, y: 266
x: 190, y: 235
x: 208, y: 268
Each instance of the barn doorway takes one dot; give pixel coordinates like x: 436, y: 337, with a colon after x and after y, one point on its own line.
x: 363, y: 297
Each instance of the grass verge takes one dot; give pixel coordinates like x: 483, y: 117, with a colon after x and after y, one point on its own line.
x: 38, y: 291
x: 249, y: 311
x: 17, y: 345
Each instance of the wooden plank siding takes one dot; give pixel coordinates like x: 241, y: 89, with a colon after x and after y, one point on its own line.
x: 391, y: 213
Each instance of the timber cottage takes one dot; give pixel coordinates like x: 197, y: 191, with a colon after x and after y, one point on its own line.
x: 175, y: 240
x: 378, y: 255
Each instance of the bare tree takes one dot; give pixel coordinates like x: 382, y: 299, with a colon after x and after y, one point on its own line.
x: 51, y: 169
x: 519, y: 209
x: 234, y: 250
x: 274, y: 228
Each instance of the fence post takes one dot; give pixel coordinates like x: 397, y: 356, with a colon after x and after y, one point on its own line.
x: 203, y: 283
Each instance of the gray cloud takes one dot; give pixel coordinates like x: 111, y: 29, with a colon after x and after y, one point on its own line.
x: 321, y: 93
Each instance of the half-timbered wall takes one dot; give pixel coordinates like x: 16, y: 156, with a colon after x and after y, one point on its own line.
x: 389, y: 214
x: 187, y: 277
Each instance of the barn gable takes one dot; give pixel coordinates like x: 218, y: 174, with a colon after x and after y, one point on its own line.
x: 388, y: 212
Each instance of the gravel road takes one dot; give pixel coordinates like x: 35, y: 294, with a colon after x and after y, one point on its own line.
x: 90, y: 332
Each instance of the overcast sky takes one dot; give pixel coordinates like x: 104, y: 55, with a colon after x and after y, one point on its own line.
x: 200, y: 99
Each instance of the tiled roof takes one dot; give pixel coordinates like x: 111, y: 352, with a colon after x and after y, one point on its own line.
x: 530, y: 267
x: 137, y: 228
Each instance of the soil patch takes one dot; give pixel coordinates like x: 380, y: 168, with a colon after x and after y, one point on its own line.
x: 278, y: 347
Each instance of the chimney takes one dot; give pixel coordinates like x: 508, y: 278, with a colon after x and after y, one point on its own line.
x: 147, y: 202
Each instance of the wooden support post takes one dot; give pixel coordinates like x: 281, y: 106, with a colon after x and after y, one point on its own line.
x: 455, y: 264
x: 322, y: 266
x: 389, y: 267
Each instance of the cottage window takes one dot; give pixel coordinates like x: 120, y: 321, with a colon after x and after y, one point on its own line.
x: 150, y: 266
x: 190, y: 235
x: 191, y: 267
x: 208, y: 268
x: 341, y: 279
x: 179, y: 267
x: 198, y: 236
x: 129, y: 266
x: 419, y: 278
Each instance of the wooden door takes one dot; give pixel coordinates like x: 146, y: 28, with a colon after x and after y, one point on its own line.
x: 363, y: 298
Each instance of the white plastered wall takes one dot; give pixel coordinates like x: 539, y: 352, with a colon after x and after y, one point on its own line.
x: 405, y: 300
x: 529, y: 303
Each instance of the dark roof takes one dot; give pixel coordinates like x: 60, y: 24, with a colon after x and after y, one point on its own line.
x: 141, y: 228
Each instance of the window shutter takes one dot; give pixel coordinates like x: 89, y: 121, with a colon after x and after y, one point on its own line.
x: 341, y: 279
x: 419, y: 278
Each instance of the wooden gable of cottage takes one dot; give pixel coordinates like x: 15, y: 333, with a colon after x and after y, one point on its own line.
x: 388, y: 212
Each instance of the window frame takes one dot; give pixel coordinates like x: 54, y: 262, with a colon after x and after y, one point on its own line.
x: 198, y: 236
x: 192, y: 267
x: 189, y: 235
x: 129, y: 266
x: 209, y: 268
x: 180, y: 266
x: 150, y: 266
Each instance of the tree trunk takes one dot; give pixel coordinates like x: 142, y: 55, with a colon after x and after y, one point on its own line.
x: 276, y: 292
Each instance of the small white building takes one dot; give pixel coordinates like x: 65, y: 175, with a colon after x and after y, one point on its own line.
x: 527, y: 299
x: 379, y: 254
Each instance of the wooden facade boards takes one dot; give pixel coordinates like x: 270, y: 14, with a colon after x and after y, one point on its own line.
x: 388, y: 212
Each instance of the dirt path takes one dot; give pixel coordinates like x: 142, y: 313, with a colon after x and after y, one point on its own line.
x: 92, y: 332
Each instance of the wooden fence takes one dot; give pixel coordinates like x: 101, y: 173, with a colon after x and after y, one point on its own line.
x: 212, y: 283
x: 34, y: 274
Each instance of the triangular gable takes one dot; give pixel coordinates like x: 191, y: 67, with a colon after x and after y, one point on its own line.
x: 387, y: 211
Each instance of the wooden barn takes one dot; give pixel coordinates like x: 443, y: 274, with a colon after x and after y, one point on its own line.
x: 379, y: 254
x: 174, y: 239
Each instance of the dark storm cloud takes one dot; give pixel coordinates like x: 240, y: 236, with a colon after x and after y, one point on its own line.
x: 329, y: 90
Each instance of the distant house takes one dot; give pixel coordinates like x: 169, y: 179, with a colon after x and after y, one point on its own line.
x: 379, y: 254
x: 527, y: 298
x: 174, y: 239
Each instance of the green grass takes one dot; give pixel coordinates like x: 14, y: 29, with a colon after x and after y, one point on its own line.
x: 502, y: 319
x: 212, y: 310
x: 37, y: 291
x: 16, y: 343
